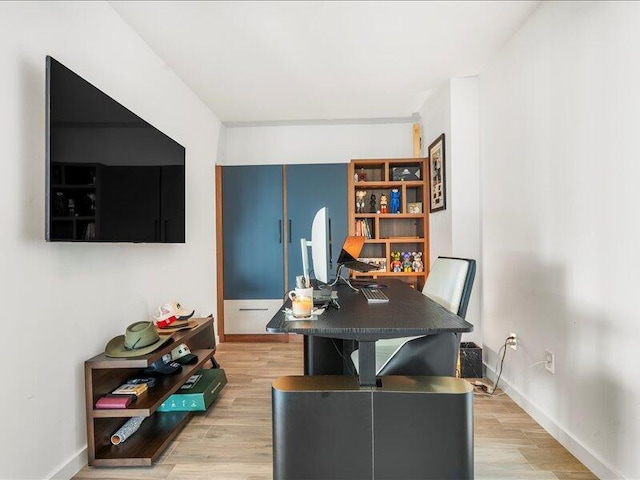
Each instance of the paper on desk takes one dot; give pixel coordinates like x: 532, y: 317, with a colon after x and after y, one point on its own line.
x: 315, y: 314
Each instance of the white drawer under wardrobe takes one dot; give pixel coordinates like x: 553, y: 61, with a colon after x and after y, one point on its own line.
x: 249, y: 316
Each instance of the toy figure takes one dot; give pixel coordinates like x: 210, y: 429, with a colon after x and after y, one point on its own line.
x: 417, y: 265
x: 372, y: 204
x: 395, y: 201
x: 396, y: 264
x: 406, y: 262
x: 383, y: 203
x: 360, y: 194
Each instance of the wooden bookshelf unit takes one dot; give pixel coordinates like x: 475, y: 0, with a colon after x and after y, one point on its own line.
x: 405, y: 231
x: 104, y: 374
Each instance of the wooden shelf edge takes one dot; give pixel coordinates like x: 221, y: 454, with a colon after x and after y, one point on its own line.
x: 390, y: 274
x: 387, y: 184
x: 148, y: 410
x: 390, y: 216
x: 143, y: 361
x: 142, y: 449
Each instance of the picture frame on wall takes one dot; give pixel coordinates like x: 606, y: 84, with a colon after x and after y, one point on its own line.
x: 437, y: 182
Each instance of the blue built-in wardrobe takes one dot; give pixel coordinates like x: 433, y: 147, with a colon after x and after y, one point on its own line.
x: 266, y: 210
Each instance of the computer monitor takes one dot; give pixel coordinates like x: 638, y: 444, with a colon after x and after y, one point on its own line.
x: 320, y: 247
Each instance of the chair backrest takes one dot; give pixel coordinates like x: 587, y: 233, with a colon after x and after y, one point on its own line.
x: 450, y: 282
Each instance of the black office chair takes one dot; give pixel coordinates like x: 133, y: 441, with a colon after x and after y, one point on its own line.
x: 449, y: 283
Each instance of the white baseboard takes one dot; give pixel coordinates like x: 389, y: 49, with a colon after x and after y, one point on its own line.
x: 71, y: 467
x: 599, y: 468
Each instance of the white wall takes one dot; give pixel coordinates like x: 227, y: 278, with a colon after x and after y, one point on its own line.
x: 62, y: 302
x: 465, y: 187
x: 436, y: 120
x: 455, y: 231
x: 317, y: 143
x: 561, y: 226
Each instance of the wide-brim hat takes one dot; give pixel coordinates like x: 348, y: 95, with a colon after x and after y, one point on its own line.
x: 139, y: 339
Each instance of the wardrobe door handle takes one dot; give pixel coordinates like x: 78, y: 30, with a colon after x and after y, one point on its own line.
x: 280, y: 231
x: 289, y: 230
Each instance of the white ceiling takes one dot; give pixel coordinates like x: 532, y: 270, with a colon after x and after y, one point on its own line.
x: 271, y: 61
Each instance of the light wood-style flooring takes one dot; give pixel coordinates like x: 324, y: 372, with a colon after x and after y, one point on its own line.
x: 232, y: 441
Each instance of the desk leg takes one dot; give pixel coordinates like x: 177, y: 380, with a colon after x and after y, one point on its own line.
x: 323, y: 356
x: 367, y: 364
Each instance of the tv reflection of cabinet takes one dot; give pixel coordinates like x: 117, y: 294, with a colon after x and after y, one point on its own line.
x: 140, y: 208
x: 94, y: 202
x: 72, y: 214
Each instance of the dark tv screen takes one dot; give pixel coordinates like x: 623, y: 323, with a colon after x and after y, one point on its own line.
x: 111, y: 176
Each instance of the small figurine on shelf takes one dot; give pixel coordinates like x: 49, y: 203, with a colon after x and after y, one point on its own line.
x: 383, y: 203
x: 417, y: 265
x: 395, y: 201
x: 396, y: 264
x: 406, y: 262
x: 60, y: 205
x: 372, y: 204
x: 360, y: 194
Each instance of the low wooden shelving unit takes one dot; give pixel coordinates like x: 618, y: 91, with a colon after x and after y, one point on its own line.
x: 104, y: 374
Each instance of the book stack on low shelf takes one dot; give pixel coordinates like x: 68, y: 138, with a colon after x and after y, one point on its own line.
x: 123, y: 396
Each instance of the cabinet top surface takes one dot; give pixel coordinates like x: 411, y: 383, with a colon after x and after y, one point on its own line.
x: 382, y: 161
x: 103, y: 361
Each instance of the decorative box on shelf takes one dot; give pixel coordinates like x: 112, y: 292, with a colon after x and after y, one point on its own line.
x: 406, y: 173
x: 198, y: 393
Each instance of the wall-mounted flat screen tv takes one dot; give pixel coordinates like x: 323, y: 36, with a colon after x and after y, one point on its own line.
x: 111, y: 176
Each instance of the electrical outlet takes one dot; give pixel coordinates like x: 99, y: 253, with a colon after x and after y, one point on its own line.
x: 513, y: 341
x: 549, y: 361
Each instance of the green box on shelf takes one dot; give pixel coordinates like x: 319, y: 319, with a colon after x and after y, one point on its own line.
x: 198, y: 393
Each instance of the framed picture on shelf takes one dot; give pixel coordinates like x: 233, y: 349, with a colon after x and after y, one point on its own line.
x: 381, y: 263
x: 437, y: 182
x: 414, y: 207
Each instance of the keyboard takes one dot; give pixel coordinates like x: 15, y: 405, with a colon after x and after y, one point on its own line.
x: 373, y: 295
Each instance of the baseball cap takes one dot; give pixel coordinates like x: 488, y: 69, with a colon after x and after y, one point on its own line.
x: 181, y: 354
x: 180, y: 312
x: 160, y: 367
x: 165, y: 317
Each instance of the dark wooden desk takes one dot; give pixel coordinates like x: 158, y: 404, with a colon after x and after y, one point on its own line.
x: 393, y: 427
x: 408, y: 313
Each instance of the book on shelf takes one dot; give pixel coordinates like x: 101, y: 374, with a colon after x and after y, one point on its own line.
x: 115, y: 401
x: 129, y: 389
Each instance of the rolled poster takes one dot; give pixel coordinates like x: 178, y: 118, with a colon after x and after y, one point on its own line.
x: 126, y: 430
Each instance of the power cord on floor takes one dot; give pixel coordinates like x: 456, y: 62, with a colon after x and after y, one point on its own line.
x: 486, y: 387
x: 517, y: 376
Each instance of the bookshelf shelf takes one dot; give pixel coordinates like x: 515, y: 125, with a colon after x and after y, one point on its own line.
x: 405, y: 231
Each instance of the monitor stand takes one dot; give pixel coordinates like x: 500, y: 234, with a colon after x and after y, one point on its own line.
x: 345, y: 280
